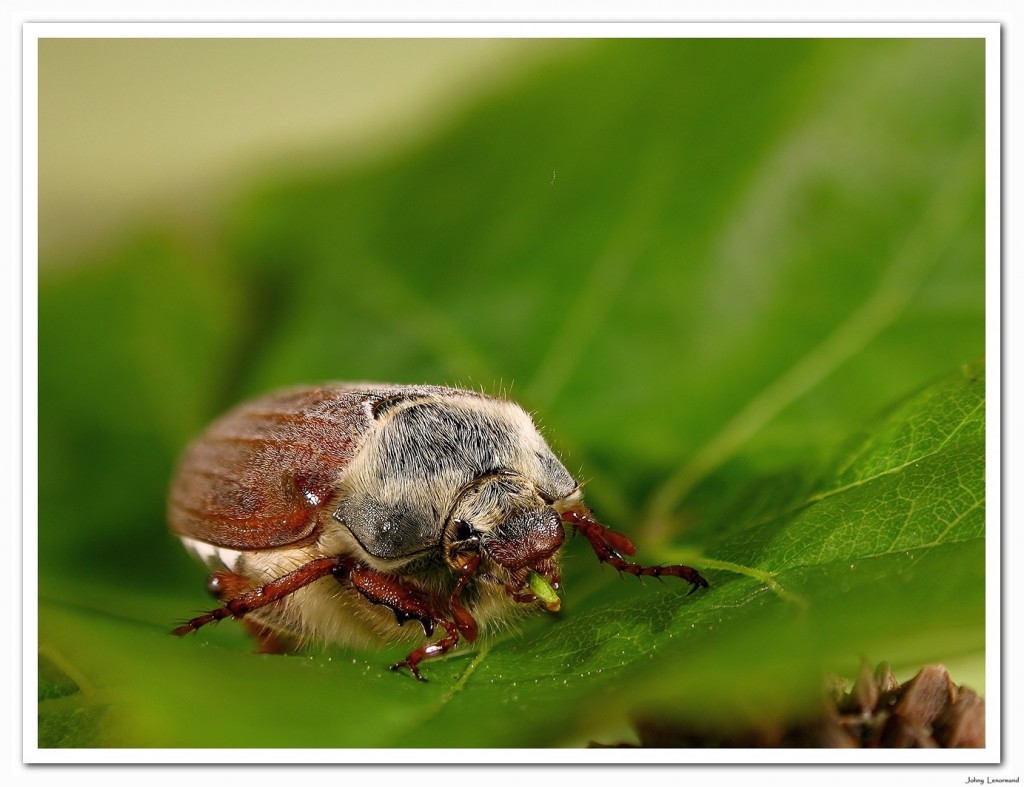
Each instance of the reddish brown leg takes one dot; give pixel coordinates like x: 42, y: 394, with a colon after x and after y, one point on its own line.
x: 439, y: 648
x: 463, y: 620
x: 463, y: 624
x: 268, y: 640
x: 225, y: 585
x: 240, y: 598
x: 609, y: 547
x: 239, y: 605
x: 408, y: 603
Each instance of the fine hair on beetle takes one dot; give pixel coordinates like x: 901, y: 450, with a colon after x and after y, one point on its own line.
x: 342, y: 512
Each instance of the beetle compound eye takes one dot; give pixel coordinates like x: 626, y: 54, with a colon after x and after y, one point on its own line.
x: 464, y: 531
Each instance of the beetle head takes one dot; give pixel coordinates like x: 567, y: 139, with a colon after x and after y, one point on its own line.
x: 505, y: 519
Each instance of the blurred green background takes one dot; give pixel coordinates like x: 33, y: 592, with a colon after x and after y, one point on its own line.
x: 739, y: 282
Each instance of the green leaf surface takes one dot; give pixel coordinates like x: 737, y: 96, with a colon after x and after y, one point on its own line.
x: 741, y: 284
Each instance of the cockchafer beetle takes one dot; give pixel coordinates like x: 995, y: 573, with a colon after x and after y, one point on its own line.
x: 331, y: 512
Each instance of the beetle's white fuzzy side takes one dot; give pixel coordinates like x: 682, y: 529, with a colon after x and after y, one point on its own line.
x: 215, y: 558
x: 326, y: 611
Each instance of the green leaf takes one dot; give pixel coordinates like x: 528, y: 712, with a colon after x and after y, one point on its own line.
x: 735, y: 310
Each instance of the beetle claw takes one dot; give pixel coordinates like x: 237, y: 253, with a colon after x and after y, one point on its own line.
x: 412, y: 668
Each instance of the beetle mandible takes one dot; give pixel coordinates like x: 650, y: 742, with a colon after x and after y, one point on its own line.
x: 341, y: 512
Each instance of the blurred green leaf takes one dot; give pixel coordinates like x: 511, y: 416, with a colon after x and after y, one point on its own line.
x: 703, y: 296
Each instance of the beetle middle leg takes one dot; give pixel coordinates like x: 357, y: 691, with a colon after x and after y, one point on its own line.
x: 240, y: 605
x: 226, y: 585
x: 610, y: 546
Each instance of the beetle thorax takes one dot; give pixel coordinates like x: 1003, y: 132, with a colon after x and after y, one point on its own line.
x: 399, y: 491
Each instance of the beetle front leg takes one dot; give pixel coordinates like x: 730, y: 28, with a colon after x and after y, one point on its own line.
x: 609, y: 547
x: 408, y: 603
x: 434, y: 649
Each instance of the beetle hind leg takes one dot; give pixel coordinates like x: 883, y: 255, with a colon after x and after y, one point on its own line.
x: 269, y: 640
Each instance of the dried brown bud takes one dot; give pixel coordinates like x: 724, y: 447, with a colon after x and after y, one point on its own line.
x: 927, y: 712
x: 863, y: 697
x: 962, y: 724
x: 887, y: 683
x: 899, y: 733
x: 925, y: 696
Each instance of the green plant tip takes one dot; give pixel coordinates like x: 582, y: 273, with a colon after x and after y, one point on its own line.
x: 546, y: 594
